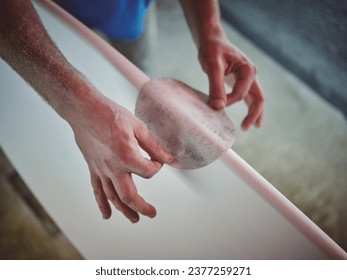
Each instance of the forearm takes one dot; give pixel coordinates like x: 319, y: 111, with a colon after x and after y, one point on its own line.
x: 107, y: 134
x: 203, y: 17
x: 28, y: 49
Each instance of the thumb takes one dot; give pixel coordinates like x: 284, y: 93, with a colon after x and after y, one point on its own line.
x: 152, y: 146
x: 217, y: 90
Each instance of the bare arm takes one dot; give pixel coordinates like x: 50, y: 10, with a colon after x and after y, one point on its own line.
x: 107, y: 134
x: 218, y: 58
x: 27, y: 48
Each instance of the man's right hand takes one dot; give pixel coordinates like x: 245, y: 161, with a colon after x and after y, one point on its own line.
x: 109, y: 140
x: 108, y: 135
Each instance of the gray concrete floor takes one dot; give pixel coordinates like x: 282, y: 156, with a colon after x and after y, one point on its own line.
x: 301, y: 148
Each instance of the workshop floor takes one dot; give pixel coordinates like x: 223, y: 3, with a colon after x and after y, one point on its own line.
x: 301, y: 148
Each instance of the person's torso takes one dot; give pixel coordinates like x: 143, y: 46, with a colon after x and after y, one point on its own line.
x: 121, y: 19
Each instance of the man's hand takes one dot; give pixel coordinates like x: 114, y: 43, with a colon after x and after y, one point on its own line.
x: 108, y: 135
x: 218, y: 59
x: 110, y: 142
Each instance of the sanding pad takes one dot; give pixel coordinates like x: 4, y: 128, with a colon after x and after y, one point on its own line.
x: 184, y: 123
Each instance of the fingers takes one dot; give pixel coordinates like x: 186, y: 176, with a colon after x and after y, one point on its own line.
x: 100, y: 196
x: 248, y: 89
x: 118, y: 187
x: 215, y: 73
x: 104, y: 191
x: 121, y: 192
x: 141, y: 166
x: 112, y: 195
x: 151, y: 145
x: 255, y: 102
x: 259, y: 121
x: 218, y: 59
x: 245, y: 88
x: 251, y: 117
x: 245, y: 76
x: 127, y: 192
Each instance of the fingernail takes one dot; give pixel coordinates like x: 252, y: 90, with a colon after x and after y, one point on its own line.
x: 104, y: 216
x: 154, y: 213
x: 218, y: 103
x: 134, y: 220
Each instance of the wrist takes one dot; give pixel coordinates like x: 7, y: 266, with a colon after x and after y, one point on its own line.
x: 211, y: 33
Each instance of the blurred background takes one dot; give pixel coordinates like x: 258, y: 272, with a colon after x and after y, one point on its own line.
x: 299, y: 48
x: 307, y: 37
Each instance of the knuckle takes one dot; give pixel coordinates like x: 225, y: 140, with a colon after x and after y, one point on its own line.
x: 248, y: 67
x: 120, y: 141
x: 109, y: 191
x: 127, y: 198
x: 96, y: 184
x: 112, y: 198
x: 239, y: 98
x: 258, y: 99
x: 150, y: 169
x: 261, y: 100
x: 210, y: 61
x: 253, y: 69
x: 149, y: 173
x: 126, y: 156
x: 142, y: 128
x: 97, y: 191
x: 213, y: 64
x: 118, y: 207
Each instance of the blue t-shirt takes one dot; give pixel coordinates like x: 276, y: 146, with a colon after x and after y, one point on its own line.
x: 121, y: 19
